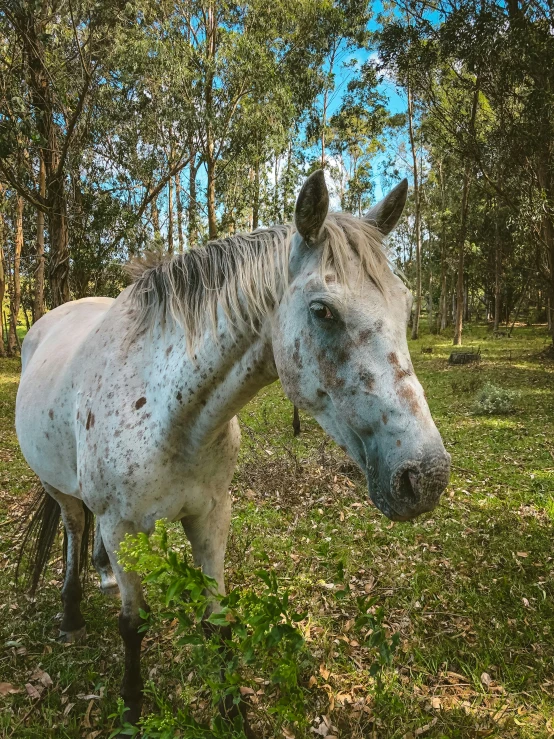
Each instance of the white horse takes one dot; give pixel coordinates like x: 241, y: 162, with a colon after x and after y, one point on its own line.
x: 127, y: 407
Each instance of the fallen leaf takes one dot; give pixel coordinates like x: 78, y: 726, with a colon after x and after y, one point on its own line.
x: 522, y: 554
x: 324, y: 672
x: 43, y: 677
x: 246, y: 691
x: 8, y: 689
x: 68, y: 708
x: 312, y: 681
x: 486, y: 679
x: 426, y: 728
x: 86, y: 721
x: 32, y: 691
x: 368, y: 587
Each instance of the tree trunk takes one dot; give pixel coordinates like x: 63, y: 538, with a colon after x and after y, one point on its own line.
x: 192, y: 212
x: 459, y: 321
x: 2, y: 281
x: 211, y: 33
x: 212, y: 218
x: 15, y: 296
x: 38, y: 298
x: 323, y: 126
x: 256, y: 203
x: 417, y: 204
x: 287, y: 203
x: 463, y: 228
x: 43, y: 101
x: 180, y: 234
x: 497, y: 269
x: 441, y: 315
x: 170, y: 216
x: 155, y: 215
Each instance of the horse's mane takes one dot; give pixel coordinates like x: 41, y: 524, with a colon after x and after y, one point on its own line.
x: 245, y: 274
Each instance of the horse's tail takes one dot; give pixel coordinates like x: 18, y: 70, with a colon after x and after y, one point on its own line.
x: 39, y: 535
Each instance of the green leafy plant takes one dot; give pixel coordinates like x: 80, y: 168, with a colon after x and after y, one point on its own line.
x: 229, y: 635
x: 492, y: 400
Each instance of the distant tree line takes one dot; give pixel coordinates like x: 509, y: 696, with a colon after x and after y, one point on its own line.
x: 128, y: 126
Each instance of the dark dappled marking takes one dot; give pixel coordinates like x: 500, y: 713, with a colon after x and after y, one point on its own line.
x: 140, y: 402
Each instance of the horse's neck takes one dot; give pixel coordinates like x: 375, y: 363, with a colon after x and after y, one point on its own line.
x: 202, y: 393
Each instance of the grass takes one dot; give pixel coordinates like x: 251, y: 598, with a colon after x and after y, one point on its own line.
x: 469, y: 588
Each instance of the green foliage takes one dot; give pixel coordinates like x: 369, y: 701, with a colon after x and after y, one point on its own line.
x: 492, y: 400
x: 249, y: 629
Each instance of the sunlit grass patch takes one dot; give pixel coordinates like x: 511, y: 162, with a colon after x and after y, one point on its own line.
x: 469, y: 589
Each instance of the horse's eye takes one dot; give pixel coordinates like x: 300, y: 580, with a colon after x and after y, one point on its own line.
x: 321, y: 311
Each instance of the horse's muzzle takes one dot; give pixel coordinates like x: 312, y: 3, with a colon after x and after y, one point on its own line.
x: 416, y: 487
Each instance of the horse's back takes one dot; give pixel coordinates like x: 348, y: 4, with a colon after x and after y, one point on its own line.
x: 52, y: 362
x: 64, y: 327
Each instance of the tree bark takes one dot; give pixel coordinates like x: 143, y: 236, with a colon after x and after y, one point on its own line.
x: 155, y: 215
x: 256, y: 203
x: 15, y: 292
x: 463, y: 228
x: 2, y: 281
x: 211, y: 33
x: 43, y: 101
x: 178, y: 198
x: 441, y: 315
x: 417, y: 204
x: 38, y: 297
x: 497, y: 270
x: 170, y: 216
x: 192, y: 211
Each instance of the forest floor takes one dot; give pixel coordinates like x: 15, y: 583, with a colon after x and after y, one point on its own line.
x: 468, y: 588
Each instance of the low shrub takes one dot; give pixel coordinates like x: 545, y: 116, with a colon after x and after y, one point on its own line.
x: 492, y: 400
x: 260, y: 637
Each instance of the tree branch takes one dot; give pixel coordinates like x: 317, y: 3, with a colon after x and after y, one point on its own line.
x: 33, y: 198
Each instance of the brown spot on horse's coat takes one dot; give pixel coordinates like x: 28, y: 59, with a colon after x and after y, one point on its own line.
x: 140, y: 402
x: 384, y: 418
x: 407, y: 393
x: 399, y: 373
x: 179, y: 396
x: 296, y: 354
x: 169, y: 350
x: 367, y: 380
x: 90, y: 420
x: 364, y: 335
x: 398, y: 442
x: 51, y: 413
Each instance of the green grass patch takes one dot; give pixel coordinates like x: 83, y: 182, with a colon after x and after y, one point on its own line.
x: 468, y: 589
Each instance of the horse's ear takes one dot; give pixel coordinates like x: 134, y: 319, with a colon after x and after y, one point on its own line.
x: 312, y: 207
x: 386, y: 213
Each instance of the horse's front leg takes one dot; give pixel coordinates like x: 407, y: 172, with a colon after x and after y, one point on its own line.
x: 208, y: 538
x: 132, y: 600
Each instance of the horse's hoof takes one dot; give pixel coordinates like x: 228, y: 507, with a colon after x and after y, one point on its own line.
x: 73, y: 637
x: 110, y: 589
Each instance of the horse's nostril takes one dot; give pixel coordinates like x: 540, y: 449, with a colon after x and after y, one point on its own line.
x: 407, y: 486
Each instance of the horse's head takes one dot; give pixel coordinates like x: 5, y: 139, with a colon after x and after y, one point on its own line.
x: 339, y: 341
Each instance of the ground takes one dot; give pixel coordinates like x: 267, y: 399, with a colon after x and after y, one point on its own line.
x: 468, y: 588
